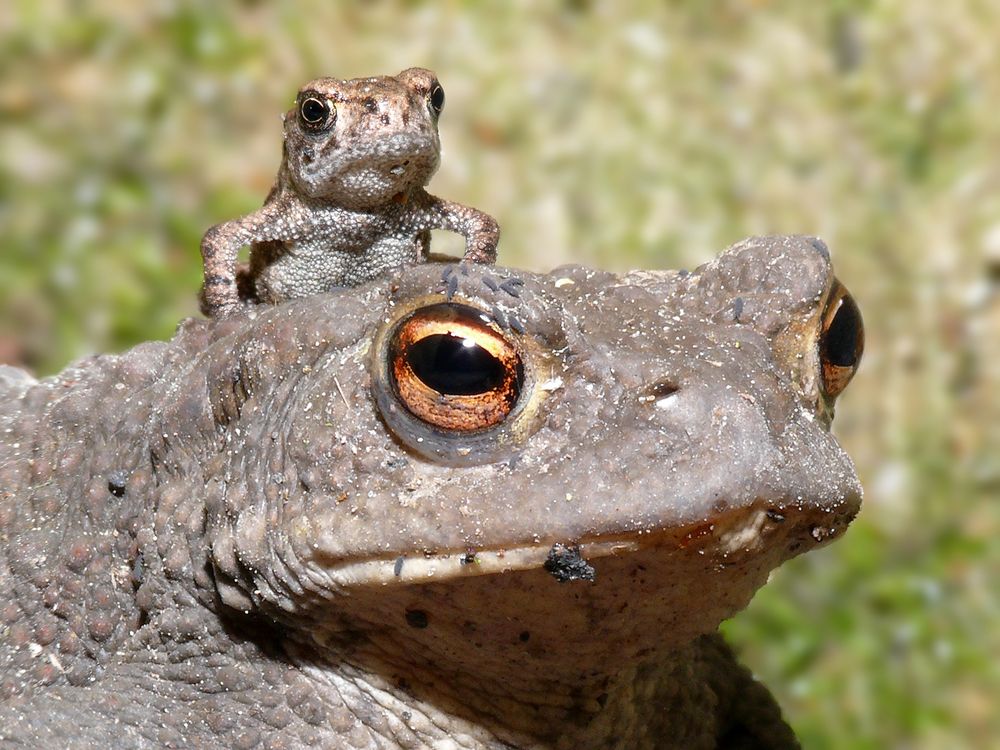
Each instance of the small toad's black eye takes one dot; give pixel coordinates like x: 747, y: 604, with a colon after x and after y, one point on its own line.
x: 315, y: 111
x: 842, y: 341
x: 451, y: 369
x: 436, y: 98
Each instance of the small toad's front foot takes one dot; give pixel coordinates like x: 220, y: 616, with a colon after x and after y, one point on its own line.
x: 228, y: 286
x: 218, y: 253
x: 481, y: 231
x: 481, y: 243
x: 213, y: 304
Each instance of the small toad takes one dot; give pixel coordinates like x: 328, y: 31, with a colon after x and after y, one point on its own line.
x: 348, y: 203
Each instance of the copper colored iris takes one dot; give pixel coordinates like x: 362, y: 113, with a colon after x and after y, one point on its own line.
x: 453, y: 369
x: 842, y: 341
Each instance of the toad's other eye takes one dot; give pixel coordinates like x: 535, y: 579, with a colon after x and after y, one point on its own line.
x: 315, y: 111
x: 436, y: 98
x: 841, y: 341
x: 450, y: 368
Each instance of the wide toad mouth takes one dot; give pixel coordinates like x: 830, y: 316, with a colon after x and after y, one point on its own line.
x: 728, y: 539
x: 418, y: 150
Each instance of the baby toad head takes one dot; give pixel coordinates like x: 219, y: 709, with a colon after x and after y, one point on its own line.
x: 363, y: 142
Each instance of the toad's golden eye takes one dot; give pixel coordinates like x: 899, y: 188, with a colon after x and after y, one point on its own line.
x: 452, y: 369
x: 316, y: 112
x: 841, y: 341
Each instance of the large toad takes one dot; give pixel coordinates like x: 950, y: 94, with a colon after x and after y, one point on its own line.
x: 470, y: 513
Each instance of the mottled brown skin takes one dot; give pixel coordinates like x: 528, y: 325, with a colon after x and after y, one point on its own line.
x: 242, y: 538
x: 349, y: 202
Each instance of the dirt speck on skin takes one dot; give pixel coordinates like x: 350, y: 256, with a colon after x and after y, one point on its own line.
x: 565, y: 564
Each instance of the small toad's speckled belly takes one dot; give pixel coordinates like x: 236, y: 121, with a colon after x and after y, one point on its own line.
x: 284, y: 271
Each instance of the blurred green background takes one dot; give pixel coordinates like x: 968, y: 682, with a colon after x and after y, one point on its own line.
x: 617, y: 134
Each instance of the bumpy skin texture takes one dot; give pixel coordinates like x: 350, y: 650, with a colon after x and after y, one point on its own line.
x: 241, y: 538
x: 349, y: 201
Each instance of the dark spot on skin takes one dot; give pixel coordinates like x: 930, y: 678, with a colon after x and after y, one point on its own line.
x: 116, y: 483
x: 397, y: 567
x: 370, y: 105
x: 452, y: 287
x: 469, y: 557
x: 214, y: 280
x: 517, y: 325
x: 720, y: 506
x: 524, y: 637
x: 821, y: 247
x: 683, y: 273
x: 775, y: 516
x: 499, y: 317
x: 737, y: 308
x: 308, y: 155
x: 490, y: 283
x: 138, y: 572
x: 512, y: 286
x: 565, y: 564
x: 416, y: 618
x: 384, y: 119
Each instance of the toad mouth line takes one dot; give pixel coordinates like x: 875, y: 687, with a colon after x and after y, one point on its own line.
x: 723, y: 540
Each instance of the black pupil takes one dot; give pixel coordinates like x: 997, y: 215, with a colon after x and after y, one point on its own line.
x: 454, y: 366
x: 313, y: 110
x: 840, y: 344
x: 437, y: 98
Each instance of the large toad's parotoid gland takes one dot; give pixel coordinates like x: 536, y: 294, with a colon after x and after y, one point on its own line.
x: 349, y: 201
x: 505, y: 516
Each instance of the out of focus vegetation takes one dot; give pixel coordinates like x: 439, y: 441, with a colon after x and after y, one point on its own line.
x: 643, y: 134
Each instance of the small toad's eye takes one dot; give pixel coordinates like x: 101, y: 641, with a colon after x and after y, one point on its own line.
x: 841, y: 342
x: 315, y: 112
x: 436, y: 98
x: 451, y: 369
